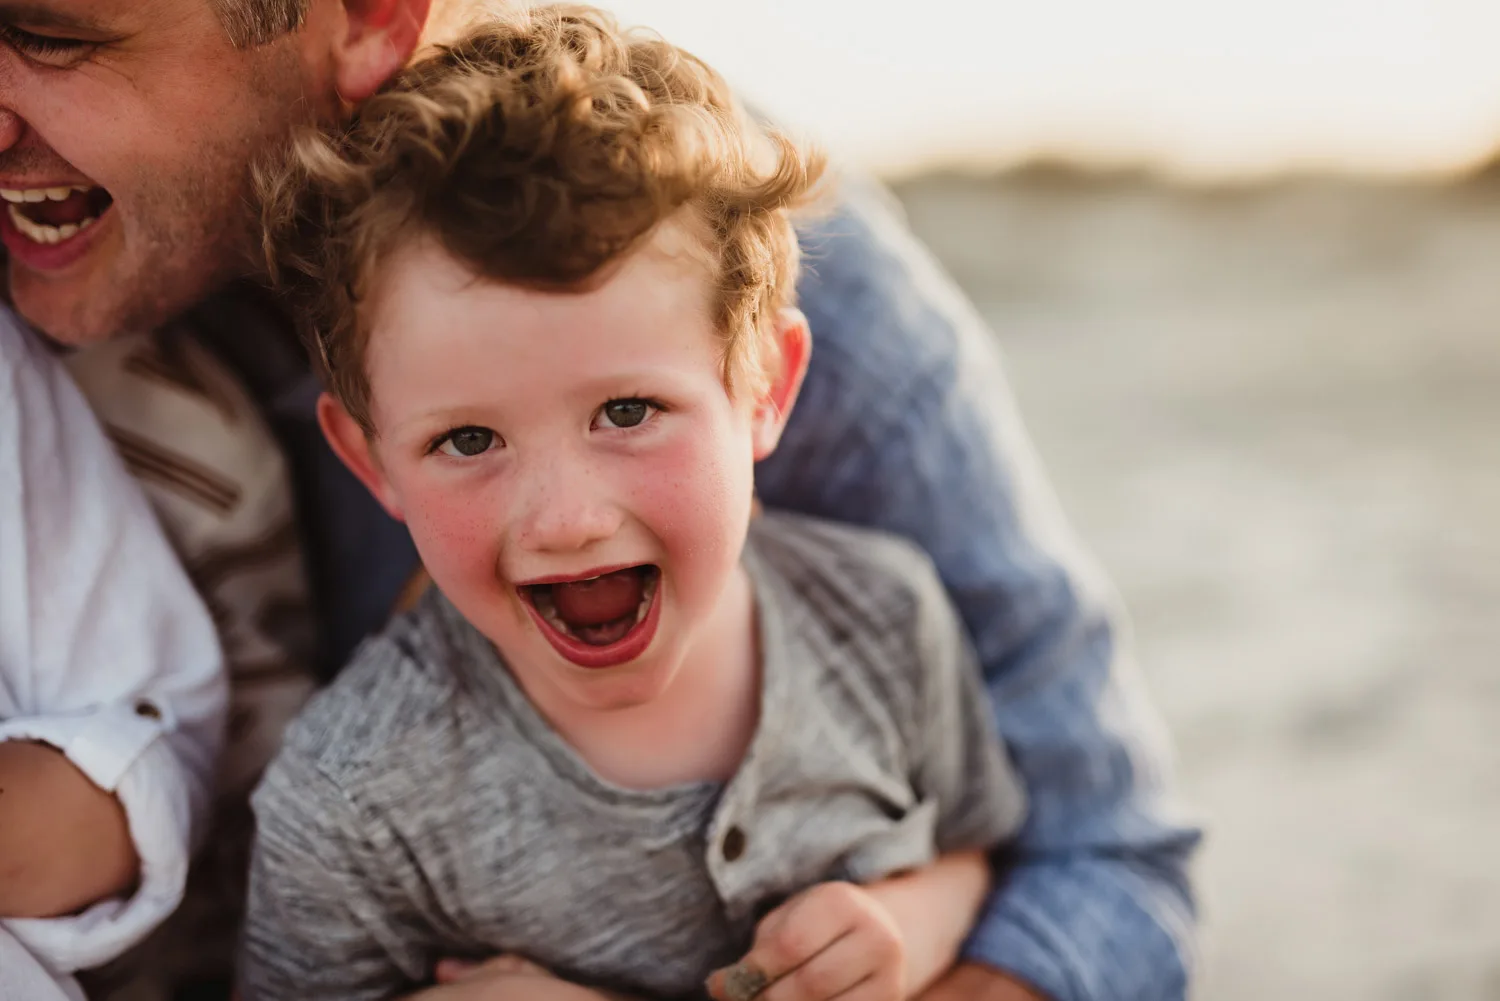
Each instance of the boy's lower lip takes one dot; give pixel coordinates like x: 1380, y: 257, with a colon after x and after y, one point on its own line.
x: 45, y: 257
x: 623, y: 650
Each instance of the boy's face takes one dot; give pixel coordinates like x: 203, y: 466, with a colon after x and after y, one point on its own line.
x: 574, y: 472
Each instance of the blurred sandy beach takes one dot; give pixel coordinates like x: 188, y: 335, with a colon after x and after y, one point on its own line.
x: 1273, y: 413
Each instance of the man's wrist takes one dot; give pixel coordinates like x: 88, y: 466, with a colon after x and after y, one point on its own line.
x: 64, y: 842
x: 971, y: 981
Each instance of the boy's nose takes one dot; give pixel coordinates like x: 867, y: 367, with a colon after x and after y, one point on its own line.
x: 566, y: 513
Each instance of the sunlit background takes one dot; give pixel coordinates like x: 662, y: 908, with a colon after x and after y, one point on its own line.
x: 1264, y: 372
x: 1207, y: 88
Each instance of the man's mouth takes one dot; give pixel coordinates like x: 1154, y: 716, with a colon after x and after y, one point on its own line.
x: 53, y: 215
x: 598, y: 621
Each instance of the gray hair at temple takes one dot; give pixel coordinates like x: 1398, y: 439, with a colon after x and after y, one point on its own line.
x: 255, y: 22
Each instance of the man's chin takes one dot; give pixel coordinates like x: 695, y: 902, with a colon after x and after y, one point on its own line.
x: 65, y: 319
x: 84, y: 310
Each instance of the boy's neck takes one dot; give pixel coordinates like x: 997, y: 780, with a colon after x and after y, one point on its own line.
x: 700, y: 727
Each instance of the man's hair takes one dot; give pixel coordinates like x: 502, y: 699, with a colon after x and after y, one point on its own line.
x: 254, y: 22
x: 538, y: 149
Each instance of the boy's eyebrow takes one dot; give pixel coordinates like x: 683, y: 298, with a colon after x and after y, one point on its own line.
x: 37, y: 15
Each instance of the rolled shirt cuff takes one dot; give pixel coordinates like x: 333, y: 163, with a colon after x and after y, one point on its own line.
x: 121, y: 750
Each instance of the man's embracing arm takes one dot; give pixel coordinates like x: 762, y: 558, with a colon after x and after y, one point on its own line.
x: 112, y: 696
x: 64, y: 842
x: 905, y: 423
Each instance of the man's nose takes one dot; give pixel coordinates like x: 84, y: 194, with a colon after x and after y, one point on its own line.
x: 566, y: 509
x: 11, y: 128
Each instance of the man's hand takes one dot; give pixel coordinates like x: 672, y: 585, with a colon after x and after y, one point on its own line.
x: 832, y: 940
x: 977, y: 982
x: 64, y: 842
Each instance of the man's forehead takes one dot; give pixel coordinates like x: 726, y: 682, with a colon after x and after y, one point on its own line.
x: 104, y: 19
x: 63, y: 15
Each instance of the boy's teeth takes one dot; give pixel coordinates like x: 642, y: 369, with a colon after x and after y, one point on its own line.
x: 646, y: 594
x: 541, y: 599
x: 543, y: 602
x: 558, y: 623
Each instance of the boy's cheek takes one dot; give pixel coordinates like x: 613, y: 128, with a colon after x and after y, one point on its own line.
x: 695, y: 481
x: 450, y: 530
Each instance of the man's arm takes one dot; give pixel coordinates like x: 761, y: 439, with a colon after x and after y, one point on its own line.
x: 64, y: 842
x: 905, y: 423
x: 112, y: 694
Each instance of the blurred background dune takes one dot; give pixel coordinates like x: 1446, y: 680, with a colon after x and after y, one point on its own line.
x: 1273, y: 412
x: 1243, y: 260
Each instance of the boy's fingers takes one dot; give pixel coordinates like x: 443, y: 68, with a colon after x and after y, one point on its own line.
x: 741, y: 982
x: 845, y: 963
x: 871, y: 989
x: 786, y: 938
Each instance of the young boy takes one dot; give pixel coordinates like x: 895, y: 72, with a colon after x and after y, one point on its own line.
x: 108, y: 656
x: 632, y: 735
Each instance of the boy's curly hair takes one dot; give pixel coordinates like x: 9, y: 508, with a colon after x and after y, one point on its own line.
x: 539, y: 147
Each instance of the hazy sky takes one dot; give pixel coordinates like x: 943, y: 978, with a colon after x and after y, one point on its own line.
x: 1206, y: 87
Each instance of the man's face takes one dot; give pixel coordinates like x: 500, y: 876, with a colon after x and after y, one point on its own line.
x: 572, y: 468
x: 127, y: 132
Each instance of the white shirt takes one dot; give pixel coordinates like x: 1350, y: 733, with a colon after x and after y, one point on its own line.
x: 106, y: 651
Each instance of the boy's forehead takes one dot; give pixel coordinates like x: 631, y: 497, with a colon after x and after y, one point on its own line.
x: 671, y: 267
x: 684, y: 239
x: 421, y: 286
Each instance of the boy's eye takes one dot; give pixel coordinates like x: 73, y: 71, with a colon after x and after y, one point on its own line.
x: 626, y: 413
x: 466, y: 441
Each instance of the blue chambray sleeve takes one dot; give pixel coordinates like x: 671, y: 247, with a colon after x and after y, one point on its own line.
x: 905, y: 423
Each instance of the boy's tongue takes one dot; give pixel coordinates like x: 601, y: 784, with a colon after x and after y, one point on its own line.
x: 603, y: 599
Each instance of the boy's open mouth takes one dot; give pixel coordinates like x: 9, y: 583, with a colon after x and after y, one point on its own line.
x: 52, y: 215
x: 598, y: 621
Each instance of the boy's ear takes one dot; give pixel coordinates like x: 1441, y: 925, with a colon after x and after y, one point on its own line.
x: 774, y: 405
x: 350, y: 443
x: 374, y: 41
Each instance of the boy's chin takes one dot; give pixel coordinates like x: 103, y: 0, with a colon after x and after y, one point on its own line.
x: 613, y: 689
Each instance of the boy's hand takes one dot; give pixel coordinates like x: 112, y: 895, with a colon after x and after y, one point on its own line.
x: 833, y: 940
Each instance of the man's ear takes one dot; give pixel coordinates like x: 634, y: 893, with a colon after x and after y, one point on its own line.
x: 350, y: 443
x: 774, y: 405
x: 375, y: 40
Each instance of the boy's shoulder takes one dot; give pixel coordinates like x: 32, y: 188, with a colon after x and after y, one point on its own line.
x: 864, y: 565
x: 399, y: 683
x: 867, y: 605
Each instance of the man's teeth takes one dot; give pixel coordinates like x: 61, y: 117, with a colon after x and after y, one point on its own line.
x: 18, y: 196
x: 39, y: 232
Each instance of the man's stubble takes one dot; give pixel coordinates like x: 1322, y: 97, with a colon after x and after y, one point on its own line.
x: 187, y: 235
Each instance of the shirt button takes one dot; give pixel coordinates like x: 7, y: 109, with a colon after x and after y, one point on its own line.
x: 147, y: 709
x: 734, y: 844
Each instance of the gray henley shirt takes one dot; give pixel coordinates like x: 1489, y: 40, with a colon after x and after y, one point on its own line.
x: 422, y: 808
